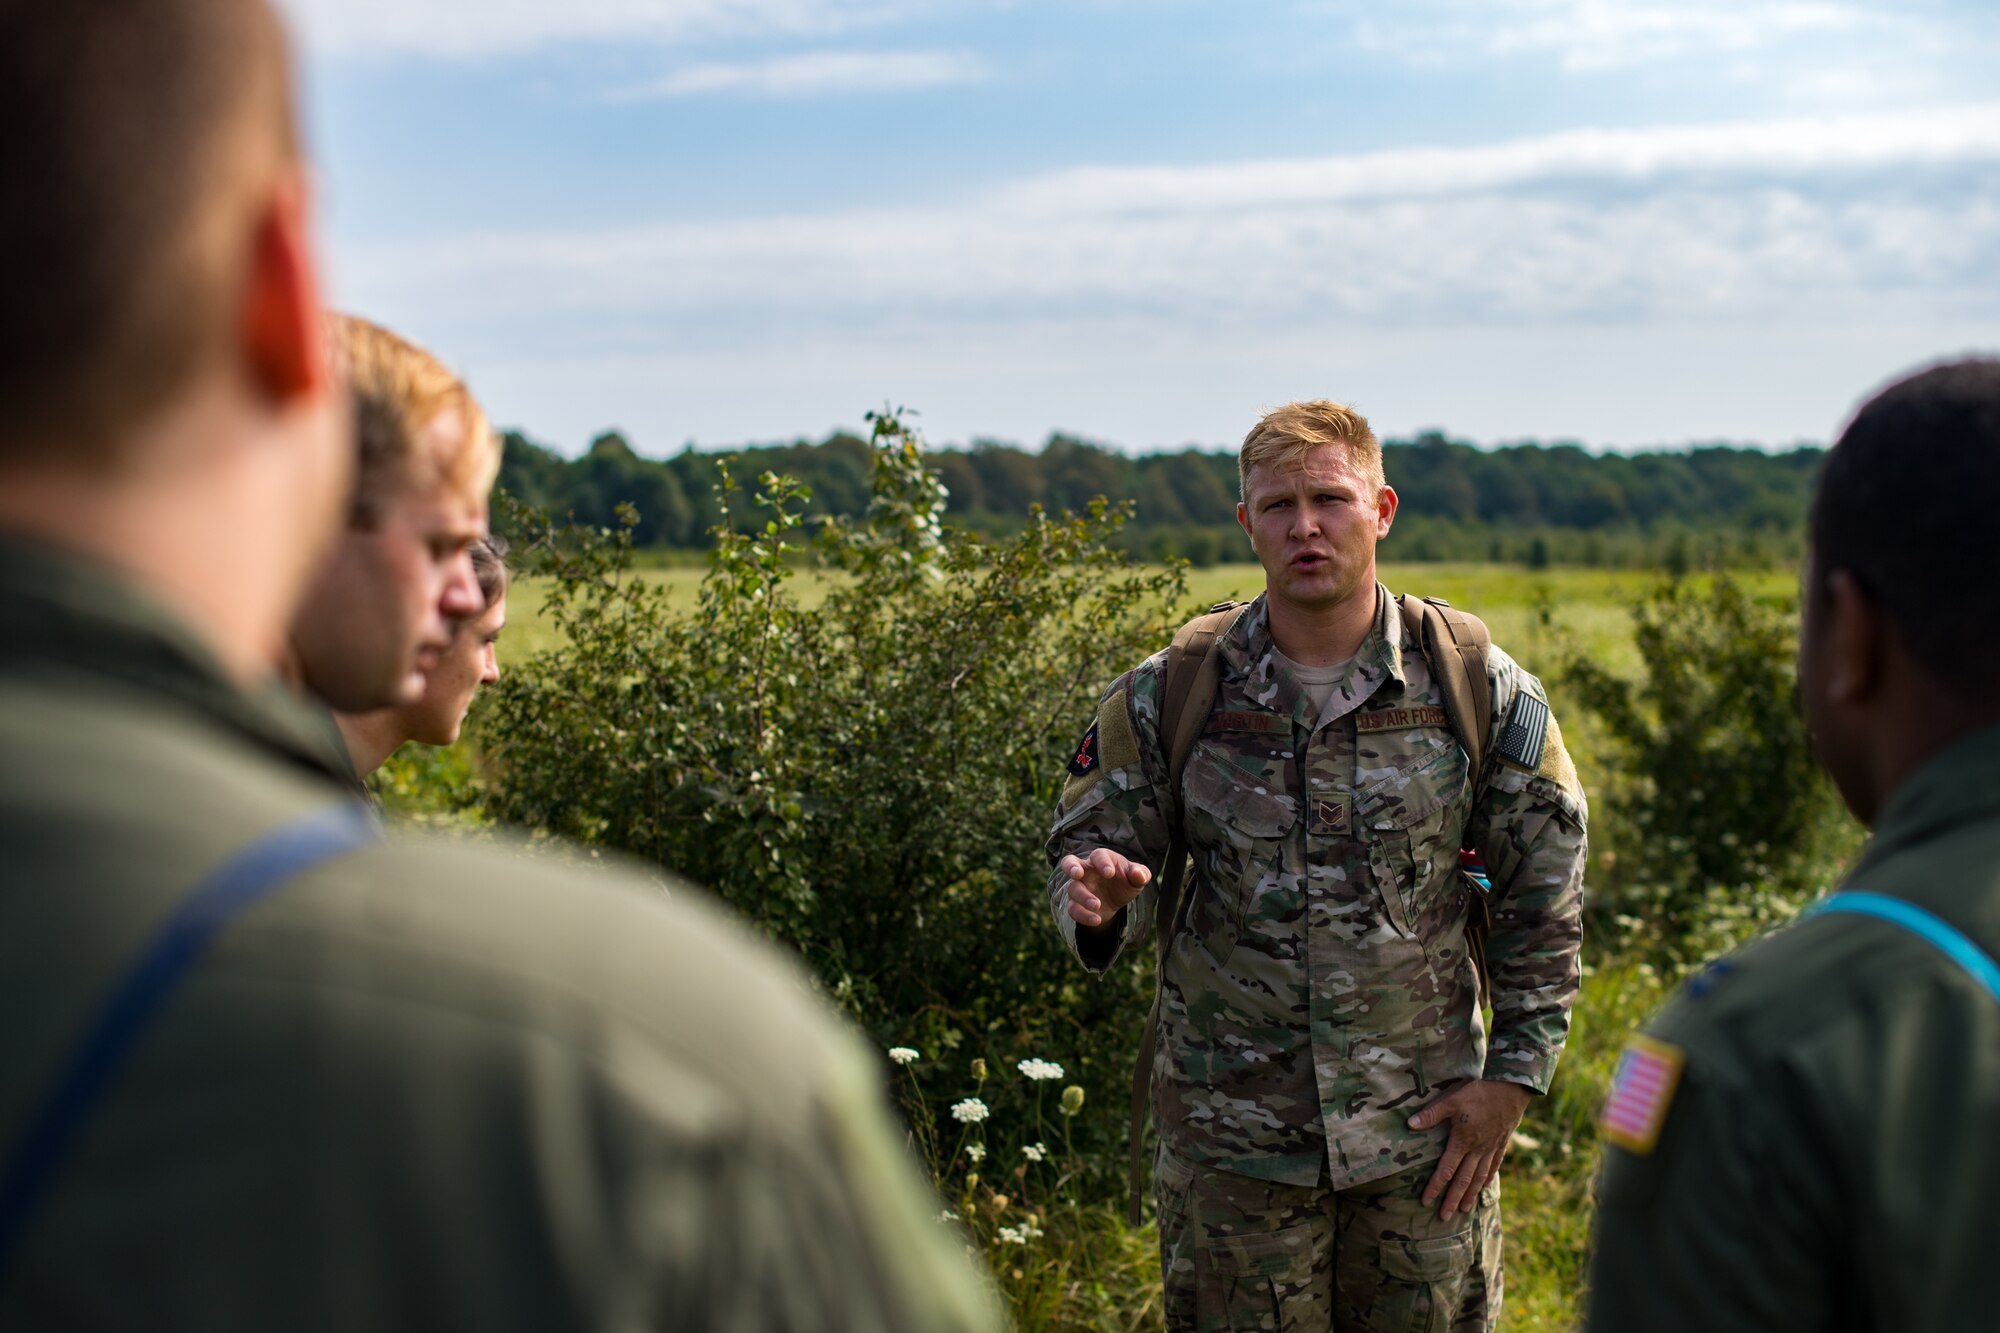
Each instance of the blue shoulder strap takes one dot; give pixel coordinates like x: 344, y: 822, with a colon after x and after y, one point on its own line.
x: 176, y: 946
x: 1943, y: 936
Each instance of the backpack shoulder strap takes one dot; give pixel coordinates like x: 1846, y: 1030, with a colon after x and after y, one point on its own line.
x: 1194, y: 672
x: 246, y: 879
x: 1455, y: 643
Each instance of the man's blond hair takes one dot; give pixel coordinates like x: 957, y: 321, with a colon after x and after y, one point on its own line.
x: 399, y: 390
x: 1285, y: 436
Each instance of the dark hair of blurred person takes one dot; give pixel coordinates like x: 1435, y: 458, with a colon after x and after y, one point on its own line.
x: 260, y: 1068
x: 471, y: 660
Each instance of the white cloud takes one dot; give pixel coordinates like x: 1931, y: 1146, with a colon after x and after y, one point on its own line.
x: 1594, y: 35
x: 469, y: 28
x: 818, y: 73
x: 1089, y: 277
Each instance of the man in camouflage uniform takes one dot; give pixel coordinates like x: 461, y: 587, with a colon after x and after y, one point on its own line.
x: 1332, y: 1112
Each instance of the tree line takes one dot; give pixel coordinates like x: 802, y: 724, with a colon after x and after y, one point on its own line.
x: 1531, y: 503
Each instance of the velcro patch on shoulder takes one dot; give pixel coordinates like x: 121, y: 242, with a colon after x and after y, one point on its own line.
x: 1522, y: 742
x: 1556, y: 764
x: 1642, y: 1091
x: 1243, y: 719
x: 1117, y: 746
x: 1401, y: 719
x: 1109, y: 743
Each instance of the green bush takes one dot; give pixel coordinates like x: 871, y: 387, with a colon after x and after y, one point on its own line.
x: 1722, y: 818
x: 870, y: 778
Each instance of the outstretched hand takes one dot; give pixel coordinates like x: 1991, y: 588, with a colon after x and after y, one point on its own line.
x: 1101, y: 884
x: 1483, y: 1116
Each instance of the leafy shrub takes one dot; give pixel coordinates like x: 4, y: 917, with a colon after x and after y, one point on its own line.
x: 869, y: 778
x: 1723, y: 819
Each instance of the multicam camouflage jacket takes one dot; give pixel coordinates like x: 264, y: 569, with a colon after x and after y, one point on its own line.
x: 1321, y: 991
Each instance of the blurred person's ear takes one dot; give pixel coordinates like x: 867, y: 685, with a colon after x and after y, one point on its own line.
x: 284, y: 331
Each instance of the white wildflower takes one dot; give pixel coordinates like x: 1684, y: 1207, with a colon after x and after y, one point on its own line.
x: 969, y: 1112
x: 1035, y: 1152
x: 1040, y: 1069
x: 903, y: 1055
x: 976, y: 1151
x: 1014, y: 1235
x: 947, y: 1216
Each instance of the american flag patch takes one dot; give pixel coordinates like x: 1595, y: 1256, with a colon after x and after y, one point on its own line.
x: 1641, y: 1092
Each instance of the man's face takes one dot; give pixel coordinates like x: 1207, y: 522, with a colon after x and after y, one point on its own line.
x: 472, y: 660
x: 1314, y: 525
x: 384, y: 606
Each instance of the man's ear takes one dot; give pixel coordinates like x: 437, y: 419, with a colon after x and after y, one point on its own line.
x: 1243, y: 520
x: 1855, y: 640
x: 1385, y: 511
x: 283, y: 329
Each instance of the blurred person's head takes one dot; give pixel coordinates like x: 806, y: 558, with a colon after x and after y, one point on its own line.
x: 471, y: 660
x: 383, y: 608
x: 1314, y: 502
x: 166, y: 400
x: 1899, y: 649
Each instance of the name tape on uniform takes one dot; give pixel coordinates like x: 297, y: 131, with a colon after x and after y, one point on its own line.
x: 1641, y: 1091
x: 1401, y: 719
x: 1263, y: 724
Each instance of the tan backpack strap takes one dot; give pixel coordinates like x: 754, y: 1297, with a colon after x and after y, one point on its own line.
x: 1194, y: 670
x: 1455, y: 644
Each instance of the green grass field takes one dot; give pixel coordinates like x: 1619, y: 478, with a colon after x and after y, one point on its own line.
x: 1586, y: 604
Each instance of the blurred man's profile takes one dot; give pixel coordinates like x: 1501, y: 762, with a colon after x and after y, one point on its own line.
x: 385, y: 602
x: 470, y: 660
x: 260, y: 1069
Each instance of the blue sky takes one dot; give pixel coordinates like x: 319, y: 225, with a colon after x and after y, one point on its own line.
x: 1143, y: 221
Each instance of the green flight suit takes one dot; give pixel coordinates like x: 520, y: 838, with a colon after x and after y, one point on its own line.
x: 423, y: 1086
x: 1829, y: 1155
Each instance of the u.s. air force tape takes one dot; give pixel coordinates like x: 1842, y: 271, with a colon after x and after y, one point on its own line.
x: 1527, y: 728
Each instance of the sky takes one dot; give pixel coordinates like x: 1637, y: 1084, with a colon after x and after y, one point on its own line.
x: 1143, y: 222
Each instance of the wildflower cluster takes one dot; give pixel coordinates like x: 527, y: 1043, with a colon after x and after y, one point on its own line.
x: 969, y: 1112
x: 1038, y: 1070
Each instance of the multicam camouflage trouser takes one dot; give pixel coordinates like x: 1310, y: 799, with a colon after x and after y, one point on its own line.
x: 1241, y: 1254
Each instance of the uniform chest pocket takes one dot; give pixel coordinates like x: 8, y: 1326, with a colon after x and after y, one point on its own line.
x: 1412, y: 822
x: 1238, y: 822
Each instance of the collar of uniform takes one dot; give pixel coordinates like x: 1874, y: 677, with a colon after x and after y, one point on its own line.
x: 1387, y: 639
x: 1959, y: 783
x: 64, y: 614
x: 1253, y: 671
